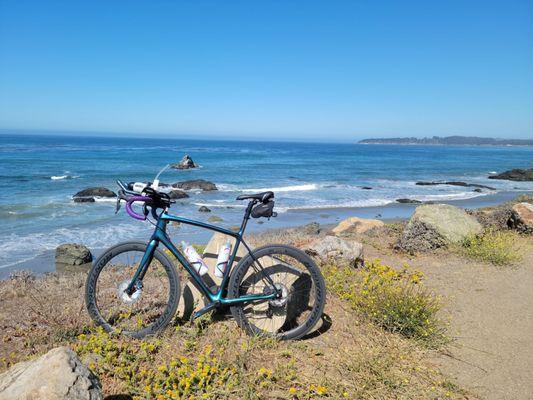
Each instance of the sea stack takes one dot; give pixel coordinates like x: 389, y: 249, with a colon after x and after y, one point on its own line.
x: 185, y: 163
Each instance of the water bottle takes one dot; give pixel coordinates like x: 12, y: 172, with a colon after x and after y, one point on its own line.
x: 222, y: 260
x: 194, y: 258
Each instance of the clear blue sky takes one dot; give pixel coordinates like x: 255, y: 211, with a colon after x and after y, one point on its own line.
x: 286, y: 69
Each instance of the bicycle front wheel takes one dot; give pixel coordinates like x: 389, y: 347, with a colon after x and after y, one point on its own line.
x: 295, y: 275
x: 149, y: 308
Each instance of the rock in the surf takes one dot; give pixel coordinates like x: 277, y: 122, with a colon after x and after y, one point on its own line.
x: 177, y: 194
x: 437, y: 225
x: 196, y: 184
x: 332, y: 247
x: 204, y: 209
x: 57, y: 375
x: 455, y: 183
x: 185, y: 163
x: 84, y: 200
x: 95, y: 192
x: 73, y: 257
x: 515, y: 175
x: 408, y: 201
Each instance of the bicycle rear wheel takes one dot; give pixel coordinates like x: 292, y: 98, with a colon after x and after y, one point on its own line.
x: 148, y: 309
x: 301, y: 284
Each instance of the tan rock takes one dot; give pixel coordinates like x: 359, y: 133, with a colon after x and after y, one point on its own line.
x: 57, y: 375
x: 356, y: 226
x: 522, y: 217
x: 337, y: 248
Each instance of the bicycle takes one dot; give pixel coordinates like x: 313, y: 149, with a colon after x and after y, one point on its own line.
x: 133, y: 288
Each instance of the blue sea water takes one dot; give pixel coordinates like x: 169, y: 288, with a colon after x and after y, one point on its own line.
x: 39, y: 175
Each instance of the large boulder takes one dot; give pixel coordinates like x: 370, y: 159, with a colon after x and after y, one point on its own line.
x: 437, y: 225
x: 185, y: 163
x: 333, y: 247
x: 356, y: 226
x: 196, y: 184
x: 175, y: 194
x: 73, y: 257
x: 57, y: 375
x: 95, y: 192
x: 515, y: 175
x: 522, y: 217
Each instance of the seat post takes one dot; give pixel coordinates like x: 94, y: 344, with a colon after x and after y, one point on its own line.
x: 246, y: 216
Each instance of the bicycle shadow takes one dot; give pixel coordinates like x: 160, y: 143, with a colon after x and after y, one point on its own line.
x: 192, y: 298
x: 325, y: 325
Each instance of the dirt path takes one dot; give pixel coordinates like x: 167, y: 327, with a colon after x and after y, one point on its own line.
x: 491, y: 319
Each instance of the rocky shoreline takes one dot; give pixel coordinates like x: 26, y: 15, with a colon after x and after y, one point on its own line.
x: 430, y: 227
x: 352, y: 243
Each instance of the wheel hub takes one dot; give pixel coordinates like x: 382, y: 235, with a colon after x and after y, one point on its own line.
x: 125, y: 297
x: 282, y: 300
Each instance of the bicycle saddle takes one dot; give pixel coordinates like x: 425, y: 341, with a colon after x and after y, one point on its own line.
x: 263, y: 197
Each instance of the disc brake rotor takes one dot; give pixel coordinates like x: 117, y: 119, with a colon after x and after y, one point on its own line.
x: 126, y: 298
x: 284, y: 296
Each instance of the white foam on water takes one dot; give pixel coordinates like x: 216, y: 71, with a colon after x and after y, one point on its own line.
x: 105, y: 199
x: 219, y: 204
x: 343, y: 204
x: 15, y: 248
x: 61, y: 177
x: 293, y: 188
x: 226, y: 187
x: 449, y: 196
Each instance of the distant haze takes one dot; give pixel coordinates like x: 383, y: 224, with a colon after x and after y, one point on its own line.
x: 341, y: 71
x: 451, y: 140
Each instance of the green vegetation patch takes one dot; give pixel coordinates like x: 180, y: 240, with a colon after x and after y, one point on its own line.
x: 394, y: 300
x: 493, y: 246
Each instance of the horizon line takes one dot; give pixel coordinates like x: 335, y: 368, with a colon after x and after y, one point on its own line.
x: 206, y: 136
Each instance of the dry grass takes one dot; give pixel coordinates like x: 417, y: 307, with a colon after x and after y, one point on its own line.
x: 349, y: 357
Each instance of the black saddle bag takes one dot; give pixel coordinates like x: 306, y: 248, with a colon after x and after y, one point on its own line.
x: 263, y: 210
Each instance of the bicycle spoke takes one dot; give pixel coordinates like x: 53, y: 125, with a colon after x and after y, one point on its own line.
x: 143, y: 307
x: 290, y: 277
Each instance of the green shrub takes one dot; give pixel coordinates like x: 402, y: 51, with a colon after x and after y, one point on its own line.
x: 135, y: 364
x: 493, y: 246
x: 394, y: 300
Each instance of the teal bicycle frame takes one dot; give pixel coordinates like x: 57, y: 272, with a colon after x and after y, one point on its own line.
x: 216, y: 299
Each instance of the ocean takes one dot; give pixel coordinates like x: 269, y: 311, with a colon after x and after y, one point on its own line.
x: 311, y: 181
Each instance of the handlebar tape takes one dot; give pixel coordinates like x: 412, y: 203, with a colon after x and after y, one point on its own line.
x: 129, y: 208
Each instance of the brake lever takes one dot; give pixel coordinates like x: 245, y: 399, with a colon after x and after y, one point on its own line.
x: 121, y: 196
